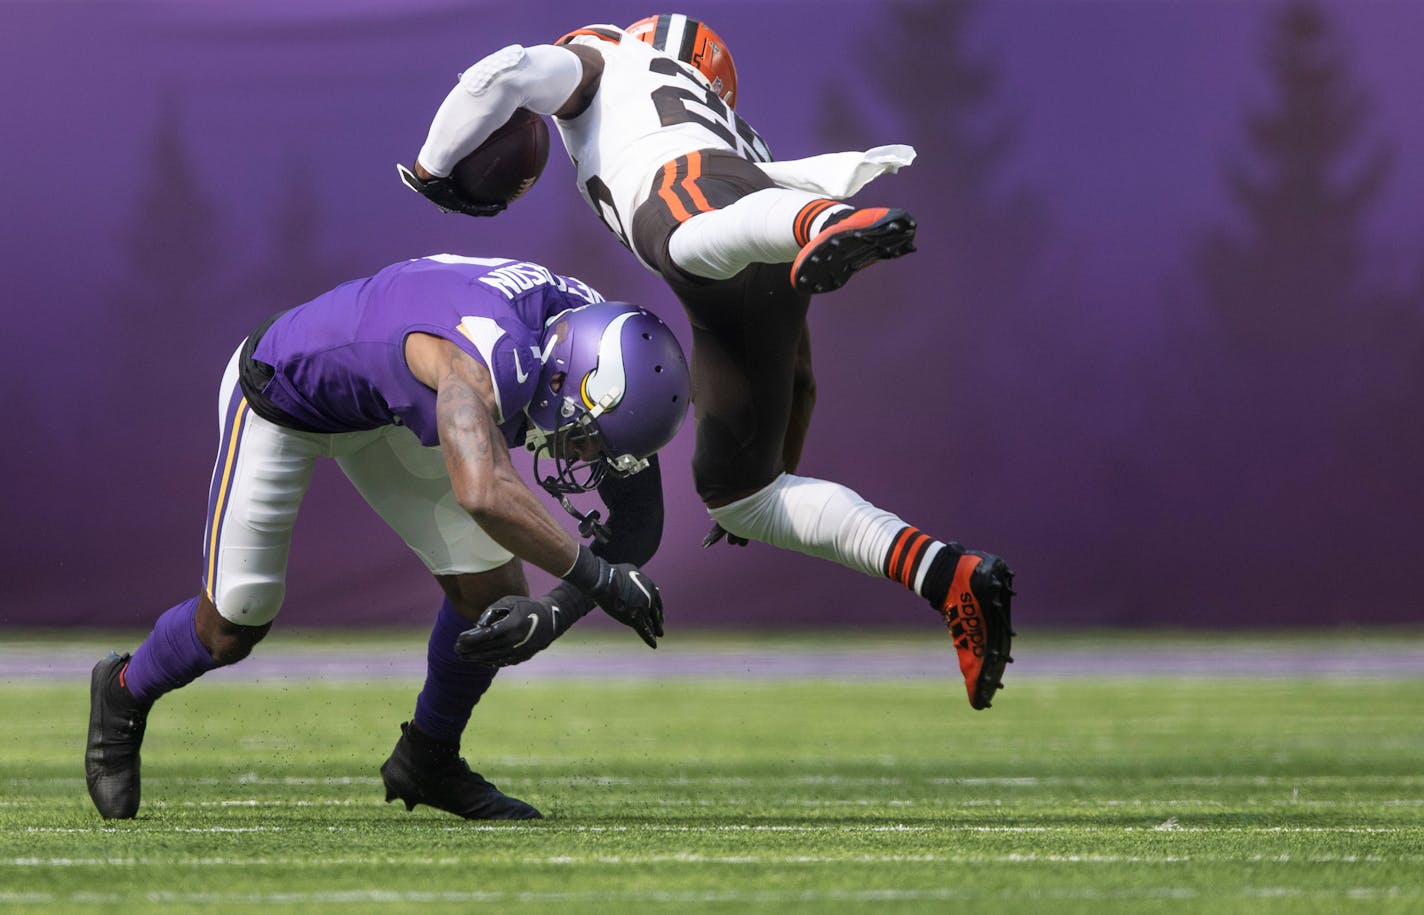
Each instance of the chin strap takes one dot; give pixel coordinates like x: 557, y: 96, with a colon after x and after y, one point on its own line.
x: 588, y: 524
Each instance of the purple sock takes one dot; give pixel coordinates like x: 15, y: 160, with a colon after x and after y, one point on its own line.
x: 170, y: 657
x: 452, y: 686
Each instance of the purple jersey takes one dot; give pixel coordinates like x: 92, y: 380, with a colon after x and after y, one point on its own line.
x: 339, y: 360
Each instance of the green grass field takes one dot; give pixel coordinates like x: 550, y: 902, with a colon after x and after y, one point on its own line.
x: 1070, y: 795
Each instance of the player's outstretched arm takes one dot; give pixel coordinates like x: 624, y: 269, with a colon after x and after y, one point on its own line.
x: 488, y: 487
x: 543, y: 79
x: 482, y: 474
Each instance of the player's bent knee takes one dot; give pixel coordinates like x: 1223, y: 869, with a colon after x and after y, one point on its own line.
x: 253, y: 603
x: 751, y: 514
x: 716, y: 493
x: 470, y: 593
x: 717, y: 483
x: 232, y: 646
x: 226, y: 642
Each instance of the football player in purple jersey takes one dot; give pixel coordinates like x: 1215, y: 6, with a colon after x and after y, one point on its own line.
x: 646, y: 115
x: 419, y: 380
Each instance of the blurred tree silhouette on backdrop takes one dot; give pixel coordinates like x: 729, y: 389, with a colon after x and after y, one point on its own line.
x: 1280, y: 414
x: 986, y: 233
x: 299, y: 261
x: 1294, y: 283
x: 170, y: 316
x: 963, y: 306
x: 173, y: 242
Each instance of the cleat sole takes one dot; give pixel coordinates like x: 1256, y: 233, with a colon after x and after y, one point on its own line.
x: 991, y: 582
x: 831, y: 264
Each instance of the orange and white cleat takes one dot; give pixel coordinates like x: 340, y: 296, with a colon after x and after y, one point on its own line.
x: 976, y: 610
x: 857, y: 240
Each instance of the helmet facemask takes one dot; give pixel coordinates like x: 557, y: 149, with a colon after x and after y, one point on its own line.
x: 613, y: 390
x: 577, y: 453
x: 579, y: 465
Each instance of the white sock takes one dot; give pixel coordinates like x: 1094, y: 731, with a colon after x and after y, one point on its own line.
x: 830, y: 521
x: 769, y: 226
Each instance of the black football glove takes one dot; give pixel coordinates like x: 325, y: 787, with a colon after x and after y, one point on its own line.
x: 443, y: 193
x: 514, y: 629
x: 623, y: 591
x: 718, y: 532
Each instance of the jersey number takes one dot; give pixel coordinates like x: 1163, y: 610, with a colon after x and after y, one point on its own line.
x: 685, y: 102
x: 679, y: 104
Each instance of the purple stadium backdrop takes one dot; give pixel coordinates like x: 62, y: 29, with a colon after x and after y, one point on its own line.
x: 1162, y: 345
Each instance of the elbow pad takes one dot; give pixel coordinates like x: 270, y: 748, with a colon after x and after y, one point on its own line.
x: 540, y: 78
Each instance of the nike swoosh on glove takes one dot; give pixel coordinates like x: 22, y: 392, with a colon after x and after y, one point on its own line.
x: 624, y: 592
x: 514, y: 629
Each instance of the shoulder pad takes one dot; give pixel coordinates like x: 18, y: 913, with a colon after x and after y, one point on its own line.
x: 487, y: 69
x: 597, y: 32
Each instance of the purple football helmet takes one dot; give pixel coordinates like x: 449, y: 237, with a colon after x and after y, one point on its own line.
x: 613, y: 390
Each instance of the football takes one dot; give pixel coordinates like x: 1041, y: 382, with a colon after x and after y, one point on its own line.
x: 508, y: 163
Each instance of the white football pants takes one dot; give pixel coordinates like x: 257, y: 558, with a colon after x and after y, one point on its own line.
x: 263, y: 470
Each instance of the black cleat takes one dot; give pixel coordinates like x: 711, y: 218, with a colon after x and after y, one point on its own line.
x: 424, y: 771
x: 976, y: 611
x: 116, y: 724
x: 859, y: 240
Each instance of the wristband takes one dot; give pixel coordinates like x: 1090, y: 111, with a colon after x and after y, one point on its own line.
x: 587, y: 571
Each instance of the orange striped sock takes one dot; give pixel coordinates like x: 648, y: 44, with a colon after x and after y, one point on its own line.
x: 911, y: 556
x: 814, y: 216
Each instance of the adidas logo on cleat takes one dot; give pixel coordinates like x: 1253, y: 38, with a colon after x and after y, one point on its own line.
x: 966, y: 625
x: 976, y: 612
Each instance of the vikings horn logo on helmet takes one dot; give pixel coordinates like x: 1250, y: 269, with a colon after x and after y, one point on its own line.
x: 691, y: 42
x: 615, y: 374
x: 632, y: 395
x: 603, y: 387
